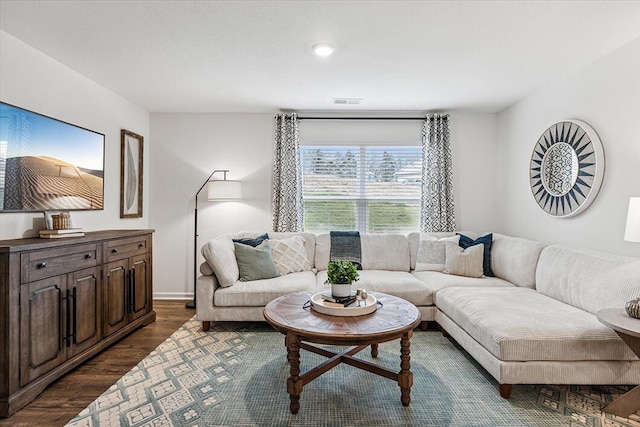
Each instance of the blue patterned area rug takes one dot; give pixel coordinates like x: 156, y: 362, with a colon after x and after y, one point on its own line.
x: 235, y: 374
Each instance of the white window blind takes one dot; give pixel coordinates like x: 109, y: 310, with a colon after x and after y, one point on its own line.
x: 373, y: 189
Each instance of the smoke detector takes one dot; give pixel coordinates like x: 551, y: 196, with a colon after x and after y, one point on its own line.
x: 347, y: 101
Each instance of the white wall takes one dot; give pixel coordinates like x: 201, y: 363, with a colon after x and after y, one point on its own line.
x: 34, y: 81
x: 188, y: 147
x: 606, y: 95
x: 474, y: 139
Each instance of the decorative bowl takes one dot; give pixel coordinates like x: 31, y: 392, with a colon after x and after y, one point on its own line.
x: 633, y: 308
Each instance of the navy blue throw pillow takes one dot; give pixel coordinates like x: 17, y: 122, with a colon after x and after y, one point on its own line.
x: 253, y: 241
x: 486, y: 240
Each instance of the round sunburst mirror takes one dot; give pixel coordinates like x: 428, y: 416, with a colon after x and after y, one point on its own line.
x: 566, y: 169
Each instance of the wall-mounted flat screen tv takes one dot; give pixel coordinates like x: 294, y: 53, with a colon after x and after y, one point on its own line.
x: 47, y: 164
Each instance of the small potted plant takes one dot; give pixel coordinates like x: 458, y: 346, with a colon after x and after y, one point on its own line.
x: 340, y: 275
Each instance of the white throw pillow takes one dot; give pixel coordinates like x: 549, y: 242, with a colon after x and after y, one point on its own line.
x: 464, y: 262
x: 290, y: 255
x: 221, y: 257
x: 432, y: 253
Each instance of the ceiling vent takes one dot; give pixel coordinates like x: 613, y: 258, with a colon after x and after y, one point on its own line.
x: 347, y: 101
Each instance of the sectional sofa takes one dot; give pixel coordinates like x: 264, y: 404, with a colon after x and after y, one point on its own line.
x: 533, y: 322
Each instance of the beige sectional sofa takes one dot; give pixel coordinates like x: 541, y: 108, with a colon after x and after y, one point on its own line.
x: 533, y: 323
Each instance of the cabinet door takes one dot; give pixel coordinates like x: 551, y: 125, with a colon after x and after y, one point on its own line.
x: 43, y: 326
x: 140, y: 294
x: 86, y: 309
x: 116, y: 296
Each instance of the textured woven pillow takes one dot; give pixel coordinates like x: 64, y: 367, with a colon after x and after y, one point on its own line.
x: 290, y: 255
x: 255, y: 263
x: 464, y: 262
x: 432, y: 253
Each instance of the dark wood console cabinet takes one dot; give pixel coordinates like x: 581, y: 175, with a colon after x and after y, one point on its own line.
x: 65, y: 300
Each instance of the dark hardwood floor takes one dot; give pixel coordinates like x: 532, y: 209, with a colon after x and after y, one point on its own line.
x: 69, y: 395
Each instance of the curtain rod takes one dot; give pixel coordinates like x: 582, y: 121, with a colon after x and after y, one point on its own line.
x: 361, y: 118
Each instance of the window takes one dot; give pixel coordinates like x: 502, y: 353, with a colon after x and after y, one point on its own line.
x: 373, y: 189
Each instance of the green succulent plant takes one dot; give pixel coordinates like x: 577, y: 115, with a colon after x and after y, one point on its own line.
x: 341, y: 273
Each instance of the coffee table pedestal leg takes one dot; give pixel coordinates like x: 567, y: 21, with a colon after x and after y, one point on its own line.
x: 374, y: 350
x: 294, y: 383
x: 405, y: 376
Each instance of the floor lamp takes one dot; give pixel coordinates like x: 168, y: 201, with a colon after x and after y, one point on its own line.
x: 219, y: 190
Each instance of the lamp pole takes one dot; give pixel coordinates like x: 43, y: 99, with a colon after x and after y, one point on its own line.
x: 192, y: 304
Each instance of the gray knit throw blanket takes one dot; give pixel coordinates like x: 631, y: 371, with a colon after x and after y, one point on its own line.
x: 345, y: 246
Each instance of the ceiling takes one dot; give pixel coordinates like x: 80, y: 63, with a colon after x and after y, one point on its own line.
x: 255, y: 56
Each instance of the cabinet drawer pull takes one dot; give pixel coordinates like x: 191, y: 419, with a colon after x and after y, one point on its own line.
x: 42, y: 265
x: 88, y: 256
x: 141, y: 245
x: 114, y: 251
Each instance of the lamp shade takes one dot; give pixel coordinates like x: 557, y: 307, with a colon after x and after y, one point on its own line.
x: 224, y: 190
x: 632, y: 231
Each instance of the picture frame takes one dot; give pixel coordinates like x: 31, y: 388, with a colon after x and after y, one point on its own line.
x: 131, y: 150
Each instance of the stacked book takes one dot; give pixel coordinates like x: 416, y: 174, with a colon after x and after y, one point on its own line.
x: 61, y: 233
x: 331, y: 301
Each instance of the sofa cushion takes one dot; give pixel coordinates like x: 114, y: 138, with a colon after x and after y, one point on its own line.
x: 587, y: 279
x: 259, y: 293
x: 399, y: 283
x: 515, y: 259
x: 520, y: 324
x: 435, y: 281
x: 221, y: 257
x: 255, y: 263
x: 385, y: 252
x: 309, y: 243
x: 432, y: 254
x: 290, y: 255
x: 379, y: 252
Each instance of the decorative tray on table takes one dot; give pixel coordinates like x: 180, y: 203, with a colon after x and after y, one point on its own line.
x: 325, y: 307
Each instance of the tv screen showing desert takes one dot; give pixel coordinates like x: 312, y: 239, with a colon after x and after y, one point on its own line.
x: 47, y: 164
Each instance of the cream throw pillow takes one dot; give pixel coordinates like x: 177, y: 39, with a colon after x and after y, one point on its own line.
x: 431, y: 254
x: 464, y: 262
x: 221, y: 257
x: 290, y: 255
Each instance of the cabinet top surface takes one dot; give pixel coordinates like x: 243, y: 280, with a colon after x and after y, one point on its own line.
x: 16, y: 245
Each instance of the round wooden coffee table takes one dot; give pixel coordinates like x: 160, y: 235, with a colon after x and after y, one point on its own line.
x: 395, y: 319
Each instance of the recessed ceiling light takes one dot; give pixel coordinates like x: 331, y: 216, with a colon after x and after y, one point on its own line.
x: 322, y: 49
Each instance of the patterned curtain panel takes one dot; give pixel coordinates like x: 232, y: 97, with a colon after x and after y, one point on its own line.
x: 287, y: 205
x: 437, y: 209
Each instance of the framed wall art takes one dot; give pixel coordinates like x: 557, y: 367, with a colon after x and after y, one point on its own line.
x: 567, y: 168
x: 131, y: 146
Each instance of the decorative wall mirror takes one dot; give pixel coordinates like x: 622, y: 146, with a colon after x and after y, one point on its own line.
x: 566, y: 169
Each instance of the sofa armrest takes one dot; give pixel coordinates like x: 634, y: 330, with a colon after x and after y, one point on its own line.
x: 205, y: 287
